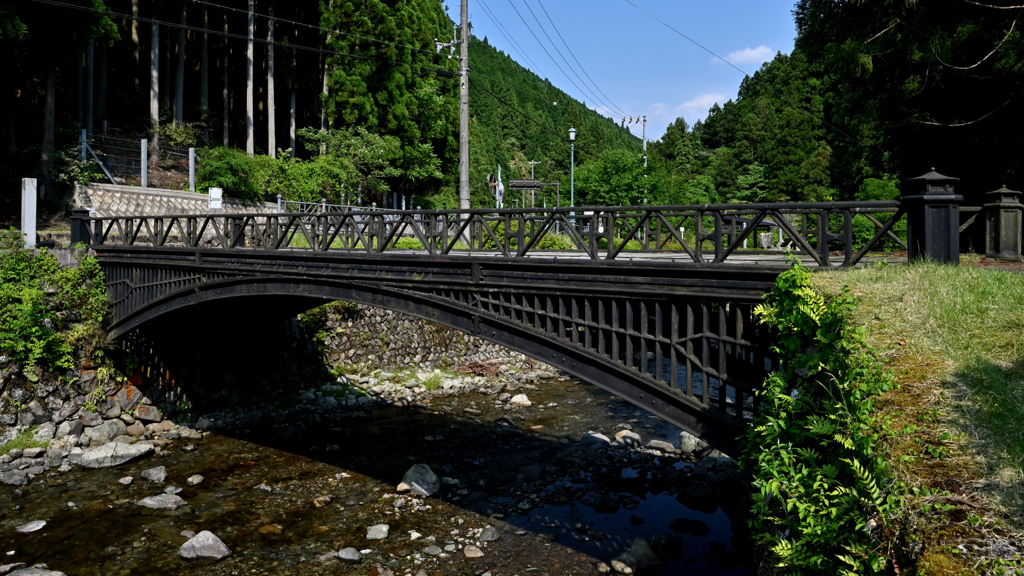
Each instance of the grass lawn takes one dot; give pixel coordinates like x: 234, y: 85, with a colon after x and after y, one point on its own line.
x: 954, y: 429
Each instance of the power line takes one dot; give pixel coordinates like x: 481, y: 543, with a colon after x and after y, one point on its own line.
x: 778, y: 93
x: 577, y: 60
x: 553, y: 45
x: 501, y: 30
x: 546, y: 50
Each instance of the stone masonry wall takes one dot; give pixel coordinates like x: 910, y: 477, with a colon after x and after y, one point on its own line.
x: 358, y: 334
x: 111, y: 200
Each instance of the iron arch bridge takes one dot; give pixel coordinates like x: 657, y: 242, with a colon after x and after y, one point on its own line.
x: 653, y: 304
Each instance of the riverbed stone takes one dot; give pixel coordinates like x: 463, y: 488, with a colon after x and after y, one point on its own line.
x: 350, y: 555
x: 128, y: 397
x: 33, y: 452
x: 158, y: 474
x: 421, y: 480
x: 136, y: 429
x: 33, y: 571
x: 644, y: 555
x: 628, y: 439
x: 377, y: 532
x: 14, y: 478
x: 195, y: 480
x: 204, y: 546
x: 432, y: 550
x: 31, y: 526
x: 489, y: 534
x: 661, y: 445
x: 594, y: 438
x: 110, y: 454
x: 163, y: 502
x: 625, y: 563
x: 472, y: 551
x: 520, y: 400
x: 688, y: 443
x: 148, y: 413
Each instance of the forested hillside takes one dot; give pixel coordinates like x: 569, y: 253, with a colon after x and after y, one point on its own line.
x: 874, y: 93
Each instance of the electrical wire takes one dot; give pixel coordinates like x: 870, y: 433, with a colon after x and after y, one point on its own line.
x: 741, y: 71
x: 577, y: 60
x: 568, y: 65
x: 582, y: 92
x: 511, y: 39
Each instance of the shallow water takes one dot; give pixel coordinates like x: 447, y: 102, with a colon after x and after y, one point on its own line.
x: 548, y: 525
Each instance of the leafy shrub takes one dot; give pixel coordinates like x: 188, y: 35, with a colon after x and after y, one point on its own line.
x: 550, y: 240
x: 38, y: 298
x: 812, y: 447
x: 180, y: 135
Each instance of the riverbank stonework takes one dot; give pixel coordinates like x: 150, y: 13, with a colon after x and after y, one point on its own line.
x: 378, y: 338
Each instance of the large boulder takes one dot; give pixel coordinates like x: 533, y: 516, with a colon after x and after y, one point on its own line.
x: 110, y: 454
x: 106, y: 431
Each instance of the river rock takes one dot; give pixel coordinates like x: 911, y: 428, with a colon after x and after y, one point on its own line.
x: 125, y: 481
x: 472, y: 551
x: 69, y: 428
x: 520, y: 400
x: 128, y: 397
x: 592, y: 438
x: 432, y: 550
x: 158, y: 474
x: 204, y: 546
x: 689, y: 443
x: 136, y: 429
x: 61, y: 447
x: 644, y: 555
x: 163, y: 502
x: 377, y: 532
x: 668, y: 546
x: 661, y: 445
x: 89, y: 418
x: 625, y: 563
x: 625, y: 438
x: 421, y: 480
x: 195, y: 480
x: 350, y: 556
x: 35, y: 572
x: 204, y: 424
x: 31, y: 526
x: 489, y: 534
x: 33, y: 452
x: 14, y: 478
x: 148, y: 413
x: 105, y: 432
x: 110, y: 454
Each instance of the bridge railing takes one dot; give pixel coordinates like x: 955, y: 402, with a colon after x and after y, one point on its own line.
x: 829, y: 234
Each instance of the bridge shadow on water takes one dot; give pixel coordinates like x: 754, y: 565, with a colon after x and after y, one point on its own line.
x: 593, y: 501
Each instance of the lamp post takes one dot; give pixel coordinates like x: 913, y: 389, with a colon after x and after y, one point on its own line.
x: 572, y: 167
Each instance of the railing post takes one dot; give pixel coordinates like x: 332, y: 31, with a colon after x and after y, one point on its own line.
x: 1003, y: 224
x: 191, y: 169
x: 80, y: 226
x: 933, y: 219
x: 278, y: 203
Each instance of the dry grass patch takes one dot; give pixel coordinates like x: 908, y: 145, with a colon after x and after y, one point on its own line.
x: 954, y: 429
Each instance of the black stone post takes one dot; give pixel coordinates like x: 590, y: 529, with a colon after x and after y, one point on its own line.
x: 933, y: 219
x: 80, y: 226
x: 1003, y: 224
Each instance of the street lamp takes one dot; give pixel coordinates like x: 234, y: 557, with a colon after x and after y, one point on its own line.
x: 572, y: 167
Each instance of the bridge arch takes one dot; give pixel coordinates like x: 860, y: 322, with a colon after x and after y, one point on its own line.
x: 687, y: 353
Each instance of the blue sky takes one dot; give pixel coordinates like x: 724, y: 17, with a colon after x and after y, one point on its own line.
x: 642, y: 67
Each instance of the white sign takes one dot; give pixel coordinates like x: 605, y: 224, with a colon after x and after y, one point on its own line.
x: 216, y: 198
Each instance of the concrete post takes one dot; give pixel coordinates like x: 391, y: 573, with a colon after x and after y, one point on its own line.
x: 28, y: 211
x: 278, y: 203
x: 145, y: 163
x: 81, y: 145
x: 933, y: 219
x: 191, y: 169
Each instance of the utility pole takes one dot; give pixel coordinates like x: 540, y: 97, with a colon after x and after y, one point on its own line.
x: 645, y: 141
x: 464, y: 110
x: 532, y: 163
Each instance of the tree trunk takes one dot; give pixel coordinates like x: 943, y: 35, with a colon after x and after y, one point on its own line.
x: 12, y: 142
x: 291, y: 122
x: 204, y: 75
x: 323, y: 96
x: 249, y: 142
x: 90, y: 68
x: 165, y: 72
x: 179, y: 73
x: 154, y: 94
x: 136, y: 49
x: 271, y: 111
x: 101, y: 99
x: 224, y: 90
x: 48, y: 121
x: 80, y: 89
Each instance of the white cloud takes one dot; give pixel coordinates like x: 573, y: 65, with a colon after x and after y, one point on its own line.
x: 698, y: 107
x: 757, y: 55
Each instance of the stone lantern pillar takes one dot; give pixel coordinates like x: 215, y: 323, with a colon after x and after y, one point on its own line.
x: 933, y: 218
x: 1003, y: 224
